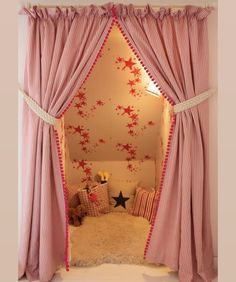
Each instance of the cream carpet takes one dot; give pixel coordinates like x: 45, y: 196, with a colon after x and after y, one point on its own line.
x: 111, y: 238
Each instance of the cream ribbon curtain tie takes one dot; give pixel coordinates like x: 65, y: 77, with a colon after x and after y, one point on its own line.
x: 190, y: 103
x: 38, y: 110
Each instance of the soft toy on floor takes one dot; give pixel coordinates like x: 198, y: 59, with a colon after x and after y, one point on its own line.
x: 76, y: 215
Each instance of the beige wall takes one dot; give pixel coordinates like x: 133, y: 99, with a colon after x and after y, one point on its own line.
x: 100, y: 111
x: 109, y: 114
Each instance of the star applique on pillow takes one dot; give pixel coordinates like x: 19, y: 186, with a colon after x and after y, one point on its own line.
x: 121, y: 194
x: 120, y: 200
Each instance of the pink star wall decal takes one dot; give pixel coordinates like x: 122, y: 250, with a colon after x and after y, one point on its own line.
x: 128, y: 64
x: 119, y: 60
x: 151, y: 123
x: 131, y: 83
x: 100, y: 103
x: 101, y: 141
x: 82, y: 163
x: 79, y: 129
x: 126, y: 147
x: 127, y: 110
x: 136, y: 71
x: 132, y: 91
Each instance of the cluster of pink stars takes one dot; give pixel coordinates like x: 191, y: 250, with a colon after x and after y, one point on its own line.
x: 134, y: 71
x: 86, y: 168
x: 132, y: 115
x: 99, y: 103
x: 86, y: 110
x: 99, y: 142
x: 131, y: 152
x: 81, y: 103
x: 149, y: 123
x: 83, y: 134
x: 129, y: 149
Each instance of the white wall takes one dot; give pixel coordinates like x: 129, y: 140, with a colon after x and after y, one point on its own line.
x: 213, y: 80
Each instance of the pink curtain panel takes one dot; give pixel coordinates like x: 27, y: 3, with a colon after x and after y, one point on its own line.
x: 63, y: 46
x: 174, y: 48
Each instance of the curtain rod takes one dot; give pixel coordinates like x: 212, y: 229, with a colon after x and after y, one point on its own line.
x: 29, y: 5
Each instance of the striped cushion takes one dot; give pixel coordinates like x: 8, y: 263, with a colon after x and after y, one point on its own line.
x: 96, y: 200
x: 143, y: 203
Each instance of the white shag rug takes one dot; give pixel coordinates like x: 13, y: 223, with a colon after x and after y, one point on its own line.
x: 110, y: 238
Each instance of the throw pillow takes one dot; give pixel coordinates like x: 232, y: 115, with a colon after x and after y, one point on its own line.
x: 95, y: 199
x: 121, y: 195
x: 73, y: 199
x: 144, y: 203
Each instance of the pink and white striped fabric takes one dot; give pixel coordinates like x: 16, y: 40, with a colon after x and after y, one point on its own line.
x: 174, y: 48
x: 62, y: 47
x: 143, y: 203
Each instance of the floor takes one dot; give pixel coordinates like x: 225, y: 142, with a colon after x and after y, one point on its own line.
x: 117, y: 273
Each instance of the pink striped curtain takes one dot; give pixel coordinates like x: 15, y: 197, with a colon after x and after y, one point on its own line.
x: 174, y: 48
x: 62, y: 47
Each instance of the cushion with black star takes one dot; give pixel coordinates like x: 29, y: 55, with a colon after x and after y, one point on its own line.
x: 121, y: 195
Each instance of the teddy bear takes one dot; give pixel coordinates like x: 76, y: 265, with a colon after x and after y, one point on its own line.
x: 76, y: 215
x: 104, y: 176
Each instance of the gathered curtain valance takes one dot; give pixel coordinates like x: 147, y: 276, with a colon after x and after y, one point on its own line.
x: 199, y: 13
